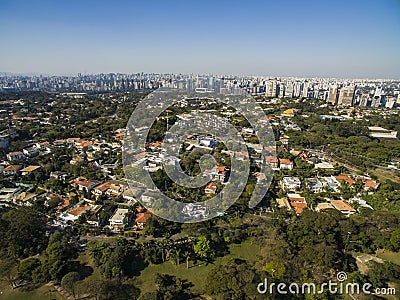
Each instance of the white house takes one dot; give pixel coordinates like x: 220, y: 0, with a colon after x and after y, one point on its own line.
x: 15, y: 155
x: 315, y: 185
x: 118, y: 219
x: 291, y: 183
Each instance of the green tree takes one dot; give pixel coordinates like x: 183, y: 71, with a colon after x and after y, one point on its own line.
x: 27, y: 266
x: 202, y: 248
x: 275, y: 269
x: 69, y: 280
x: 24, y: 232
x: 395, y: 239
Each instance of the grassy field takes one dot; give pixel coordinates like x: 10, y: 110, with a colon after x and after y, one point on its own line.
x: 196, y: 274
x: 42, y: 293
x: 393, y: 257
x: 385, y: 175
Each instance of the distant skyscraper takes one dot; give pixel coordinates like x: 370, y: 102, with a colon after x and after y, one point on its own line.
x: 281, y: 90
x: 270, y: 88
x: 376, y: 102
x: 390, y: 102
x: 297, y: 89
x: 346, y: 95
x: 364, y: 99
x: 378, y: 92
x: 305, y: 90
x: 332, y: 98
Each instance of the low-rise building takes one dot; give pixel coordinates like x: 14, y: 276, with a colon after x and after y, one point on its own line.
x: 315, y: 185
x: 291, y: 183
x: 331, y: 182
x: 8, y: 194
x: 118, y: 219
x: 141, y: 218
x: 11, y: 170
x: 29, y: 169
x: 343, y: 207
x: 297, y: 202
x: 273, y: 162
x: 101, y: 189
x: 15, y: 155
x: 345, y: 178
x: 323, y: 206
x: 83, y: 184
x: 210, y: 189
x: 31, y: 152
x: 285, y: 164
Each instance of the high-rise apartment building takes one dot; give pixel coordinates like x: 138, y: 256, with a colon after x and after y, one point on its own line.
x: 333, y: 93
x: 346, y: 96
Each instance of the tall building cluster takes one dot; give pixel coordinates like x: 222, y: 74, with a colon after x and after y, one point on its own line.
x: 342, y: 92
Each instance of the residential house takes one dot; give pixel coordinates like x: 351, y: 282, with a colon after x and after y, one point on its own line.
x: 25, y: 198
x: 83, y: 184
x: 217, y: 173
x: 343, y: 207
x: 360, y: 202
x: 8, y: 194
x: 370, y: 184
x: 118, y: 219
x: 141, y: 218
x: 346, y: 179
x: 315, y: 185
x: 59, y: 175
x: 132, y: 194
x: 15, y: 155
x: 94, y: 217
x: 297, y: 202
x: 29, y: 169
x: 31, y: 152
x: 332, y: 183
x: 101, y: 189
x: 148, y: 197
x: 115, y: 190
x: 323, y: 206
x: 273, y: 162
x: 283, y: 203
x: 323, y: 165
x: 75, y: 212
x: 11, y: 170
x: 210, y: 189
x: 59, y: 143
x: 291, y: 183
x: 194, y: 211
x: 285, y: 164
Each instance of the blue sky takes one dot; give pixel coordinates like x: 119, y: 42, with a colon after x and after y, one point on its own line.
x: 350, y: 38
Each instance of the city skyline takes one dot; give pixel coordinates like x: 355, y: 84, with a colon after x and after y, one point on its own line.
x: 299, y: 39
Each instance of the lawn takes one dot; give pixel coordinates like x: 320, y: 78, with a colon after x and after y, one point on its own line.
x: 393, y: 257
x: 196, y: 274
x: 42, y: 293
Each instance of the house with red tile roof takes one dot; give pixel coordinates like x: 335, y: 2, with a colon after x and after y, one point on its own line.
x: 285, y: 164
x: 210, y: 189
x: 101, y: 189
x: 297, y: 202
x: 83, y: 184
x: 349, y: 180
x: 11, y: 170
x: 142, y: 217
